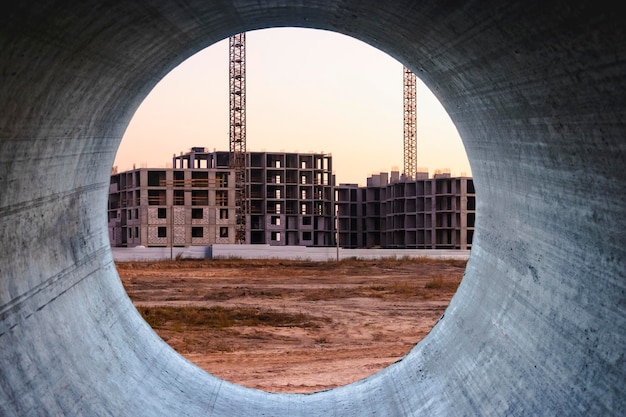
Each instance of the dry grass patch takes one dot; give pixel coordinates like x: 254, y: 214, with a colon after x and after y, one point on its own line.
x: 215, y: 318
x: 440, y: 282
x: 286, y: 264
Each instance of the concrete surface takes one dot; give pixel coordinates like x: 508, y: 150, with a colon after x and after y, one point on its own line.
x: 536, y: 89
x: 279, y: 252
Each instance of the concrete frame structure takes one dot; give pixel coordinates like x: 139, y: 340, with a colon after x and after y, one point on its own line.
x: 290, y: 198
x: 399, y: 213
x: 535, y: 88
x: 168, y: 207
x: 291, y: 201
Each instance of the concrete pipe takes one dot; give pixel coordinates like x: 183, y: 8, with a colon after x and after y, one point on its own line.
x: 536, y: 90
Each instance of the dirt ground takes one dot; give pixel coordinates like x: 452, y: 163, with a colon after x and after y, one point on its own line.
x: 317, y: 325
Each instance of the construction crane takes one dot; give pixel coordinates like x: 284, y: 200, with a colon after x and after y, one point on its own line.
x: 237, y: 75
x: 410, y: 123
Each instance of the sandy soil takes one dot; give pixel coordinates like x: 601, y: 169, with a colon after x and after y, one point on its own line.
x: 361, y: 315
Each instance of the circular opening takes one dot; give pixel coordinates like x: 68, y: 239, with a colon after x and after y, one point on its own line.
x: 538, y: 322
x: 278, y: 325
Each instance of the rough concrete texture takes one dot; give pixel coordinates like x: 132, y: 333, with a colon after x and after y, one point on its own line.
x: 536, y: 89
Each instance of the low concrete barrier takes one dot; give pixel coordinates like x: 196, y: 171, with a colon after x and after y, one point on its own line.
x: 279, y: 252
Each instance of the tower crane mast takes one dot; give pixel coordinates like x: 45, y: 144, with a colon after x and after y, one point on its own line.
x: 410, y: 123
x: 237, y: 135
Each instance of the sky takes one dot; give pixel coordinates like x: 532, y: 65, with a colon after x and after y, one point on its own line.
x: 306, y: 91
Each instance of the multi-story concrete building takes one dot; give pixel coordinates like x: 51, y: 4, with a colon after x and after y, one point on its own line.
x: 172, y: 207
x: 292, y: 200
x: 193, y: 203
x: 393, y: 212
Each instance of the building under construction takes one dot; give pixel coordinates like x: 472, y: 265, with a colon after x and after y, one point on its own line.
x: 282, y: 198
x: 288, y: 198
x: 407, y: 213
x: 292, y: 200
x: 195, y: 202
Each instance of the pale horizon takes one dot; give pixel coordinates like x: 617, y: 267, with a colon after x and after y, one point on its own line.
x: 307, y: 91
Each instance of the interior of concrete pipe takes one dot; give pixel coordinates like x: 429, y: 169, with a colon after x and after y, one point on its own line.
x: 536, y: 91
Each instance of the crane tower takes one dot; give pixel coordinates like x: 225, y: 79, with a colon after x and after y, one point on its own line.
x: 410, y: 123
x: 237, y: 75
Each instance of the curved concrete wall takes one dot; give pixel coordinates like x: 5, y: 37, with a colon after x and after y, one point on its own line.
x: 536, y: 90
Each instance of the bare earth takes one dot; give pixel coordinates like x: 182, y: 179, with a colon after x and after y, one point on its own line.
x: 357, y: 317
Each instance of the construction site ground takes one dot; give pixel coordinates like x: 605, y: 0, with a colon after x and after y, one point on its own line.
x: 292, y: 326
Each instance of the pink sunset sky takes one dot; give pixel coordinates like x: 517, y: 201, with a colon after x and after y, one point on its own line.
x: 307, y: 90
